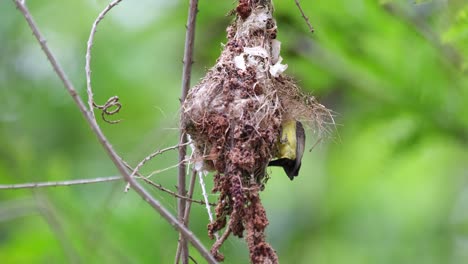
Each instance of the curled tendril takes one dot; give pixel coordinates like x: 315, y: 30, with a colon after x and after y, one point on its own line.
x: 111, y: 107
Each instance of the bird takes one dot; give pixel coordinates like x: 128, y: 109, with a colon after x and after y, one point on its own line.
x: 290, y: 148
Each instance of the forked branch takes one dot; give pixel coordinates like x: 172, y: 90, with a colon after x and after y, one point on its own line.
x: 89, y: 117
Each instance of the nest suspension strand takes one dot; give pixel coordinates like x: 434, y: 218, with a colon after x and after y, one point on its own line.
x: 234, y: 117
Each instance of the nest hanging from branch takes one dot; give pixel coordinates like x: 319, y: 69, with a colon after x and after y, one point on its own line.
x: 234, y: 117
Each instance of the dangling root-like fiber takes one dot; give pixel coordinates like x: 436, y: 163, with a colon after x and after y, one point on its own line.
x: 234, y: 117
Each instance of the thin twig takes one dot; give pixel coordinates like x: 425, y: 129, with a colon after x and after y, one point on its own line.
x: 186, y: 74
x: 182, y: 191
x: 34, y: 185
x: 89, y: 89
x: 311, y: 29
x: 165, y: 169
x: 188, y: 199
x: 57, y: 184
x: 105, y: 143
x: 188, y: 207
x: 192, y: 259
x: 148, y: 158
x: 161, y: 188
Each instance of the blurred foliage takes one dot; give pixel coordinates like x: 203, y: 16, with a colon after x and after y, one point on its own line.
x: 387, y: 185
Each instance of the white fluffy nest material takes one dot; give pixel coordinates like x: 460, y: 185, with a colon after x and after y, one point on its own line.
x: 247, y: 86
x: 257, y: 53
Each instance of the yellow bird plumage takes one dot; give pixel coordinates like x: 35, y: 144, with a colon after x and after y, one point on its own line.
x: 290, y: 148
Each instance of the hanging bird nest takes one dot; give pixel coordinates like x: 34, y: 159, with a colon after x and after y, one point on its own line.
x: 234, y: 117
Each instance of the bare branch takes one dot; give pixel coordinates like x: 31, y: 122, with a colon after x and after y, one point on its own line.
x: 186, y: 73
x: 57, y: 184
x: 105, y: 143
x: 311, y: 29
x: 34, y: 185
x: 166, y: 169
x: 188, y: 199
x: 188, y: 207
x: 148, y: 158
x: 89, y: 89
x: 161, y: 188
x: 156, y: 153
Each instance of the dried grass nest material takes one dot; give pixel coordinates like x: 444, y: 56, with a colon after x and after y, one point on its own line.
x: 234, y: 118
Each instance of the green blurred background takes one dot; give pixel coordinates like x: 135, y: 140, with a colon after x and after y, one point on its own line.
x: 389, y: 184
